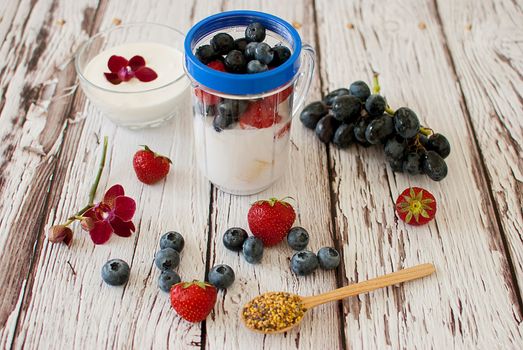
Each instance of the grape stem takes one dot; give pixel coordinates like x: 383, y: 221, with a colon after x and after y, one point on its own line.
x: 376, y: 88
x: 426, y: 131
x: 389, y: 110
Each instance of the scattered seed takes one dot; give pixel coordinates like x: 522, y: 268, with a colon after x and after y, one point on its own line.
x: 468, y: 27
x: 273, y: 311
x: 422, y: 25
x: 296, y: 24
x: 117, y: 21
x: 350, y: 26
x: 60, y: 22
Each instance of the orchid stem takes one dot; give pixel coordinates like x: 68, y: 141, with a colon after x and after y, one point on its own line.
x: 94, y: 187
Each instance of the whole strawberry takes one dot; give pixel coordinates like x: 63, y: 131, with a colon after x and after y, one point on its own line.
x: 193, y: 301
x: 270, y: 220
x: 150, y: 167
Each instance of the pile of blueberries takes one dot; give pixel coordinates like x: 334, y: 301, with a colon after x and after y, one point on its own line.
x: 354, y: 115
x: 244, y: 55
x: 303, y: 262
x: 168, y: 258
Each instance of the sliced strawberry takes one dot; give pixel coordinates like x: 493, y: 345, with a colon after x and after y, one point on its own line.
x: 204, y: 96
x: 279, y: 97
x: 259, y: 114
x: 416, y: 206
x: 216, y: 65
x: 284, y: 130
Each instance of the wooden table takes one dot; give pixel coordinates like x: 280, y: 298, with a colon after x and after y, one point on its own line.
x: 459, y: 64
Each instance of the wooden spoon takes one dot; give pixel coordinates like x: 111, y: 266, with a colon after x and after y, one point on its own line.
x: 390, y: 279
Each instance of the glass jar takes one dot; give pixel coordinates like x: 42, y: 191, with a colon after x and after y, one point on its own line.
x: 242, y: 122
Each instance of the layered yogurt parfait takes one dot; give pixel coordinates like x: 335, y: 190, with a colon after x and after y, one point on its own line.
x: 134, y: 73
x: 248, y: 80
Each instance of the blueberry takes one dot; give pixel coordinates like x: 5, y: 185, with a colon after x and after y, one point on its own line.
x: 406, y: 122
x: 344, y: 135
x: 263, y: 53
x: 234, y: 237
x: 221, y: 123
x: 329, y: 258
x: 235, y: 62
x: 249, y: 50
x: 312, y: 113
x: 325, y: 128
x: 240, y: 44
x: 172, y: 240
x: 221, y: 276
x: 116, y: 272
x: 412, y: 164
x: 230, y: 110
x: 281, y: 54
x: 439, y: 144
x: 222, y: 43
x: 379, y: 129
x: 255, y: 32
x: 205, y: 54
x: 167, y: 279
x: 434, y: 166
x: 360, y: 89
x: 346, y: 108
x: 329, y: 98
x: 253, y: 250
x: 298, y: 238
x: 167, y: 259
x: 304, y: 263
x: 256, y: 66
x: 375, y: 105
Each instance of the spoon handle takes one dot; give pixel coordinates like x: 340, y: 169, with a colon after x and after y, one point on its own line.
x: 390, y: 279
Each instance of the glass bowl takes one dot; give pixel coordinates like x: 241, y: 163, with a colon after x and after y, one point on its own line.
x: 135, y: 104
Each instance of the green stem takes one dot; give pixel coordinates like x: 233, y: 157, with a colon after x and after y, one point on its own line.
x: 376, y: 88
x: 94, y: 187
x: 426, y: 131
x: 389, y: 110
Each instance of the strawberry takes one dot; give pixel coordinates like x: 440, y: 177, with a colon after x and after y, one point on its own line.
x: 416, y: 206
x: 150, y: 167
x: 259, y: 114
x: 193, y: 301
x: 206, y: 97
x: 270, y: 220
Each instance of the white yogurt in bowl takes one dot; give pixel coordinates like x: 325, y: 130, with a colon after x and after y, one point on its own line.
x: 134, y: 103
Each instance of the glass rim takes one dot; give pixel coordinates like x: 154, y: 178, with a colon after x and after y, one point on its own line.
x: 84, y: 46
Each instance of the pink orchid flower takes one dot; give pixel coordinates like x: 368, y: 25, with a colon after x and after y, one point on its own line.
x: 113, y: 214
x: 122, y: 69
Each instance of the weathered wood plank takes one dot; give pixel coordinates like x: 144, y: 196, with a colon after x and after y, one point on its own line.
x: 32, y: 54
x: 470, y: 302
x: 307, y: 182
x: 139, y: 315
x: 486, y: 49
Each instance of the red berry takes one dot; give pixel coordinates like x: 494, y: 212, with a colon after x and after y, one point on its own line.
x: 150, y: 167
x: 193, y: 301
x: 416, y: 206
x: 259, y: 114
x: 270, y: 220
x: 216, y: 65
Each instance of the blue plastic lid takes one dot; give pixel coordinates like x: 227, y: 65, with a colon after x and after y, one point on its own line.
x: 242, y: 84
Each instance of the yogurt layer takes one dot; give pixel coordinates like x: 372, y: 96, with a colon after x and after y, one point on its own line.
x: 136, y: 103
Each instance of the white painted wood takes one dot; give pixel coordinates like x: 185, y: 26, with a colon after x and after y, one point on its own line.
x: 470, y: 301
x: 30, y: 126
x: 486, y: 48
x: 307, y: 182
x: 138, y: 316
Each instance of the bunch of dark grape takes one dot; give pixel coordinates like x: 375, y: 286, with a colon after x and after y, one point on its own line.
x: 355, y: 115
